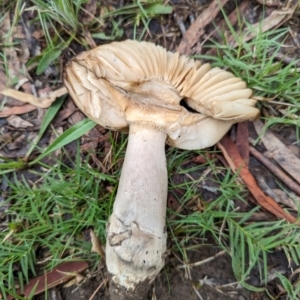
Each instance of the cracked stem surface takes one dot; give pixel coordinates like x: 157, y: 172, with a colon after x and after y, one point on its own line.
x: 136, y: 231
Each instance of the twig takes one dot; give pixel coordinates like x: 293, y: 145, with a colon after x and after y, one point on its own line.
x: 202, y: 262
x: 197, y: 293
x: 236, y: 163
x: 275, y: 170
x: 97, y: 289
x: 180, y: 23
x: 191, y: 37
x: 278, y: 151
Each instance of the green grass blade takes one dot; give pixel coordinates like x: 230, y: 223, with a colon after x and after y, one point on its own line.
x: 47, y: 58
x: 49, y: 116
x: 70, y: 135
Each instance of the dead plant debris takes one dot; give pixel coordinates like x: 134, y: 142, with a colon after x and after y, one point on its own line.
x: 34, y: 49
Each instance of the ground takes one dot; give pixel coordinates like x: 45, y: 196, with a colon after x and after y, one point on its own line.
x: 232, y: 230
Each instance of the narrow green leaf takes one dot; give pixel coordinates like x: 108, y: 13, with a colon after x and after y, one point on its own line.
x: 159, y: 9
x: 251, y: 287
x: 12, y: 165
x: 70, y: 135
x: 286, y: 284
x: 295, y: 252
x: 103, y: 36
x: 32, y: 292
x: 21, y: 280
x: 24, y: 266
x: 47, y: 59
x: 49, y: 116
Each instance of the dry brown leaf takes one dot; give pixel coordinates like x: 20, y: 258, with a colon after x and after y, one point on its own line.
x: 286, y: 200
x: 295, y: 34
x: 89, y: 11
x: 172, y: 202
x: 272, y: 21
x: 287, y: 180
x: 236, y: 163
x: 18, y: 122
x: 42, y: 102
x: 16, y: 110
x: 242, y: 143
x: 63, y: 115
x: 279, y: 152
x: 270, y: 2
x: 201, y: 159
x: 191, y: 37
x: 6, y: 38
x: 59, y: 275
x: 89, y: 39
x: 96, y: 244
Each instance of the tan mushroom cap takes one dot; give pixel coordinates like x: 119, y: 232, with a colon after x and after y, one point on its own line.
x: 138, y: 82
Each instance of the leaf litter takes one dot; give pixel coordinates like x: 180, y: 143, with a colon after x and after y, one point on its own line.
x: 19, y: 83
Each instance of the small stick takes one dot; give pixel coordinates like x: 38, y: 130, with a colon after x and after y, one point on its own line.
x: 202, y: 262
x: 97, y: 289
x: 191, y: 37
x: 275, y: 170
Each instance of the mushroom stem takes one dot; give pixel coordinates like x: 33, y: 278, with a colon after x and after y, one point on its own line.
x: 136, y: 233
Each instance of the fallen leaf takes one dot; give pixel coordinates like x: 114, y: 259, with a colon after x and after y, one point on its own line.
x: 57, y: 276
x: 13, y: 64
x: 287, y: 180
x: 96, y: 244
x: 242, y: 143
x: 89, y: 39
x: 286, y: 200
x: 42, y: 102
x: 295, y: 34
x: 279, y: 152
x: 237, y: 164
x: 18, y: 122
x: 16, y: 110
x: 272, y: 21
x: 19, y: 145
x: 201, y: 159
x: 172, y: 202
x: 192, y: 35
x: 63, y: 114
x: 270, y: 2
x: 89, y: 12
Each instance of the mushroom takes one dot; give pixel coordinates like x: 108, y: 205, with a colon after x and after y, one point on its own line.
x: 160, y: 97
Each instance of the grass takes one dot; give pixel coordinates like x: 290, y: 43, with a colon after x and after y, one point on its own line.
x: 247, y: 242
x: 52, y: 217
x: 49, y: 214
x: 258, y: 63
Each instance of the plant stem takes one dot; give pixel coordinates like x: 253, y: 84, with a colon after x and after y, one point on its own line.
x: 136, y: 231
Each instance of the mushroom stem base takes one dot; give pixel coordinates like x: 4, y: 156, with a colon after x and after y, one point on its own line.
x: 136, y: 233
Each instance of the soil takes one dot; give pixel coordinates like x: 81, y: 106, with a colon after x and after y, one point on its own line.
x: 215, y: 279
x: 212, y: 280
x: 177, y: 284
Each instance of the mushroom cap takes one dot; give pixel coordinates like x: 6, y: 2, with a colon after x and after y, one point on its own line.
x: 138, y: 82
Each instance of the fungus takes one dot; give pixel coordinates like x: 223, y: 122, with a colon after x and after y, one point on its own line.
x: 159, y: 97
